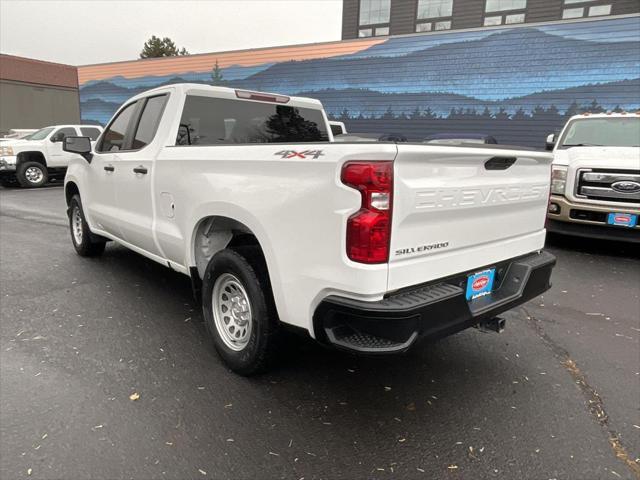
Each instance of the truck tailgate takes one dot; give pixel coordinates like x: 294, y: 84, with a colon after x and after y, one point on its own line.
x: 458, y: 208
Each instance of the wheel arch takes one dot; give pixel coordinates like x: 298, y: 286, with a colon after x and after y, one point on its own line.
x: 31, y: 156
x: 214, y: 233
x: 70, y: 189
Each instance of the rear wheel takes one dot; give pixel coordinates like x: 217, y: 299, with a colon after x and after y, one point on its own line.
x: 32, y: 174
x: 85, y: 243
x: 239, y: 313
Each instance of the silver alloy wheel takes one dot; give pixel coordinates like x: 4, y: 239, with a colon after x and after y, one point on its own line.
x: 76, y: 225
x: 34, y: 174
x: 231, y: 311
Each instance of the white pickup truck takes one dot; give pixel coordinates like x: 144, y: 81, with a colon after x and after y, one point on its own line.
x: 595, y: 189
x: 364, y: 246
x: 37, y: 158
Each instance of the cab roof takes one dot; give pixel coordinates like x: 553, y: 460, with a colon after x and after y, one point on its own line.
x: 235, y: 93
x: 607, y: 115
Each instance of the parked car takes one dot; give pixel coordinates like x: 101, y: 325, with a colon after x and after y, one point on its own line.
x: 337, y: 128
x: 39, y: 157
x: 17, y: 134
x: 364, y: 247
x: 595, y: 187
x: 458, y: 138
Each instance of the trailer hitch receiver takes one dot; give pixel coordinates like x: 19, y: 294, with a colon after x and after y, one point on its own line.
x: 495, y: 324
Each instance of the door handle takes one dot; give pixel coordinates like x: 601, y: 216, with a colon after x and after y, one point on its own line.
x: 141, y: 170
x: 109, y: 168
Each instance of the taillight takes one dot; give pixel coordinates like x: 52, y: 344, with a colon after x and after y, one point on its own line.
x: 369, y: 229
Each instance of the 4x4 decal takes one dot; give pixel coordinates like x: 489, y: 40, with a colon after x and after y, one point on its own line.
x: 296, y: 154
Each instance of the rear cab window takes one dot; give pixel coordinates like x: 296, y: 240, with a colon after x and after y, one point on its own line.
x: 221, y: 121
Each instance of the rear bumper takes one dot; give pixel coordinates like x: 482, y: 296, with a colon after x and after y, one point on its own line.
x: 430, y: 311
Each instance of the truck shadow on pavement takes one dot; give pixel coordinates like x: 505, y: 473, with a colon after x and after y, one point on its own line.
x: 469, y: 355
x: 593, y: 246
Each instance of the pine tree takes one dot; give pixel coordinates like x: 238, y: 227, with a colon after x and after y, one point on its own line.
x: 161, y: 47
x: 428, y: 113
x: 388, y: 115
x: 216, y: 75
x: 572, y: 109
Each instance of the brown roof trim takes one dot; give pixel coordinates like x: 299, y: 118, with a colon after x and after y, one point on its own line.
x: 38, y: 72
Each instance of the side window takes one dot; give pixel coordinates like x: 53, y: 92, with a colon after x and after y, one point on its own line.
x: 60, y: 134
x: 113, y: 139
x: 91, y: 132
x: 336, y: 129
x: 149, y: 121
x: 215, y: 121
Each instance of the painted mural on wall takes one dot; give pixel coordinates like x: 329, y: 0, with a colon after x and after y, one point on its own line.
x: 517, y: 84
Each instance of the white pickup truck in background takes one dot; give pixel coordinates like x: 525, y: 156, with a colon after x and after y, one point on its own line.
x: 363, y: 246
x: 595, y: 189
x: 32, y: 161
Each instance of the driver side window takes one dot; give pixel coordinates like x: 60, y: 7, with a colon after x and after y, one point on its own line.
x: 60, y: 134
x: 114, y: 137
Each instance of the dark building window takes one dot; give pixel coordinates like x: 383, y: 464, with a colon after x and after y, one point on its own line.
x: 434, y: 15
x: 499, y: 12
x: 582, y: 8
x: 374, y: 18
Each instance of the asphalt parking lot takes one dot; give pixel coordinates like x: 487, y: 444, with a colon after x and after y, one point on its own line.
x: 554, y: 396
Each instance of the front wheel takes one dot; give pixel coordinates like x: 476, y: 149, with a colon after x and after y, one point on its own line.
x: 85, y: 243
x: 239, y: 313
x: 32, y: 174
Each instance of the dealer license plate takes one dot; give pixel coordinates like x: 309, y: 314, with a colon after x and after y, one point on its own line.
x: 480, y: 283
x: 622, y: 219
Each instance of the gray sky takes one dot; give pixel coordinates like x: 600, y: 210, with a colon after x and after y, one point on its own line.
x: 81, y: 32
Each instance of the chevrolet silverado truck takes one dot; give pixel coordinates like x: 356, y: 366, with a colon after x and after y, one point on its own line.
x: 366, y: 247
x: 595, y: 187
x: 32, y: 161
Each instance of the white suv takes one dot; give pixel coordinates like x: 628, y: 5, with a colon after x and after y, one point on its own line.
x: 34, y: 160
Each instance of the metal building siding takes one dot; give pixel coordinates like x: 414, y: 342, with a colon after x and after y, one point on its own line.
x: 517, y: 83
x: 33, y: 106
x: 37, y: 94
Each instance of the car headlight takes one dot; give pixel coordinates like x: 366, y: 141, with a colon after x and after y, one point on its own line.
x: 8, y: 151
x: 558, y: 180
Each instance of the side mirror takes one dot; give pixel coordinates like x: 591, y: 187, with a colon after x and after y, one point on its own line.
x: 551, y: 141
x: 79, y: 145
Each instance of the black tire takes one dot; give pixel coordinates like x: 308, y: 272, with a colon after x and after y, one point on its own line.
x: 86, y: 243
x: 257, y: 355
x: 32, y: 174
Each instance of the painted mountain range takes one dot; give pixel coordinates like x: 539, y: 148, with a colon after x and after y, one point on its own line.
x: 515, y: 71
